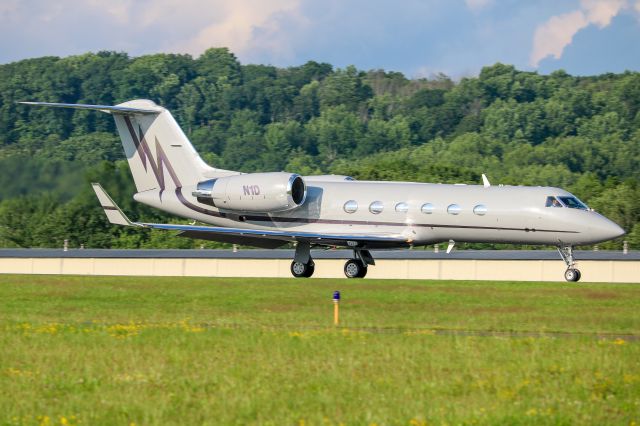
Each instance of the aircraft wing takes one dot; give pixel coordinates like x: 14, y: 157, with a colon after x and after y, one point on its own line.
x: 327, y: 239
x: 253, y: 237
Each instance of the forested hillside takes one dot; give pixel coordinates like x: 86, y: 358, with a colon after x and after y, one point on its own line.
x: 579, y: 133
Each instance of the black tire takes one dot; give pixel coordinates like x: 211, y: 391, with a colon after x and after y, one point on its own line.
x: 311, y: 268
x: 364, y: 272
x: 572, y: 275
x: 579, y: 275
x: 302, y: 270
x: 354, y: 268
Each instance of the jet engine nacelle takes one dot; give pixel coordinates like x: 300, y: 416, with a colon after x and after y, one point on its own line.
x: 254, y: 192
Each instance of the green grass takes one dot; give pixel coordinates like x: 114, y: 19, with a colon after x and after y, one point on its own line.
x: 107, y: 350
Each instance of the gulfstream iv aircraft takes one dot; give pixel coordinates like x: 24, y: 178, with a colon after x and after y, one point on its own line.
x: 269, y: 210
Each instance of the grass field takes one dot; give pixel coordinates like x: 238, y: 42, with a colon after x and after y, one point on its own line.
x: 157, y: 351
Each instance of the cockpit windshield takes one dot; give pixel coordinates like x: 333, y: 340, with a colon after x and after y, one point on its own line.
x: 552, y: 202
x: 573, y: 203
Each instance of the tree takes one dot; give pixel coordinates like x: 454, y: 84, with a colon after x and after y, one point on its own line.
x: 245, y: 144
x: 280, y: 139
x: 336, y: 132
x: 219, y: 63
x: 344, y: 87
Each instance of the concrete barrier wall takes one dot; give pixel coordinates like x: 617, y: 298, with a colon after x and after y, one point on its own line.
x: 467, y: 269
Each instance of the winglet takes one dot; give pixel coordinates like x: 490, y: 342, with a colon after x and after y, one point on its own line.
x: 485, y: 181
x: 113, y: 212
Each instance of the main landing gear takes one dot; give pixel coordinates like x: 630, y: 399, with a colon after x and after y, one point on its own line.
x: 303, y: 266
x: 354, y: 268
x: 303, y: 270
x: 358, y: 266
x: 571, y: 274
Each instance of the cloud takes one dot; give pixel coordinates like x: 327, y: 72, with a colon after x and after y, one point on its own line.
x: 477, y: 4
x: 553, y: 36
x: 601, y: 12
x: 8, y: 8
x: 116, y: 9
x: 456, y: 37
x: 206, y: 23
x: 245, y: 26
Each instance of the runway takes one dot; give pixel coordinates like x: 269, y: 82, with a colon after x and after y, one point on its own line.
x: 498, y: 265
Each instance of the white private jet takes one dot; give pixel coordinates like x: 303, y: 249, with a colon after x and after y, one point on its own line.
x: 269, y: 210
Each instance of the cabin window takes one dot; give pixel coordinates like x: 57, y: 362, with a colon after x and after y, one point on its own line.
x: 454, y: 209
x: 402, y: 207
x: 480, y: 210
x: 376, y: 207
x: 552, y: 202
x: 427, y: 208
x: 573, y: 203
x: 351, y: 206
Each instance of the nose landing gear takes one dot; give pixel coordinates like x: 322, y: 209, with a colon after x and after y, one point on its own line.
x: 571, y: 274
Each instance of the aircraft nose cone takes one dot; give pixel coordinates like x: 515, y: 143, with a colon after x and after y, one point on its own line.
x: 608, y: 230
x: 615, y: 230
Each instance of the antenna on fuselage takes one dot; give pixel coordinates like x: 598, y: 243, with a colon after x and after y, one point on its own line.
x: 450, y: 246
x: 485, y: 181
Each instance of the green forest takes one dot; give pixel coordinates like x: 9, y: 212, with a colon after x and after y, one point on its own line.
x: 519, y: 128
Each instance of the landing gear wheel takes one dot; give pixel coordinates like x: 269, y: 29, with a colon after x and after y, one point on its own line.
x: 302, y: 270
x: 363, y: 272
x: 572, y: 275
x: 354, y: 268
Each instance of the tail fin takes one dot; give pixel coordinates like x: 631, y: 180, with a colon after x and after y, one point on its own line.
x: 155, y: 144
x: 160, y: 155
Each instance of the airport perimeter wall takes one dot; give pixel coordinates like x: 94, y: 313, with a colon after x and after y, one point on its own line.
x: 535, y: 265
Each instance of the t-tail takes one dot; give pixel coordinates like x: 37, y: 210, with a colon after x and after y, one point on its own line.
x: 160, y: 155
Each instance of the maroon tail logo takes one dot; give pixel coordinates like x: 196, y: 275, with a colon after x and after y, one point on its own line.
x: 142, y: 147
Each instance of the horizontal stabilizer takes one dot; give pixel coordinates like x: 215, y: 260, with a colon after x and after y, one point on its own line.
x: 113, y: 212
x: 103, y: 108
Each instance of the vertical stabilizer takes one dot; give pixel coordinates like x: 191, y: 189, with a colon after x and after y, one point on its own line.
x: 160, y: 155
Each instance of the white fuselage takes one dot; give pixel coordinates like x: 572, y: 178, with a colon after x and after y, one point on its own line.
x: 498, y: 214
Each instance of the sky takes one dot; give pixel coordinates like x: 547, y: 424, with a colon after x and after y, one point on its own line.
x: 419, y: 38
